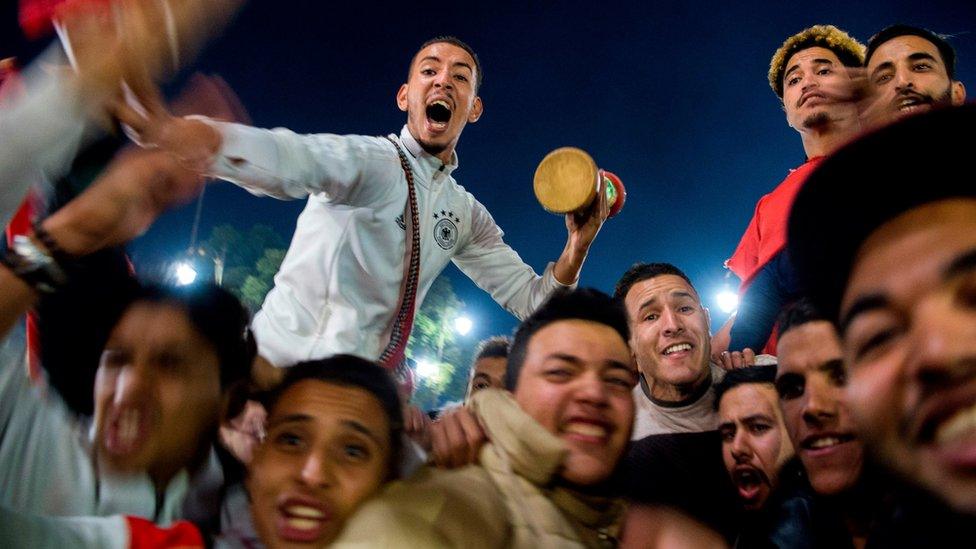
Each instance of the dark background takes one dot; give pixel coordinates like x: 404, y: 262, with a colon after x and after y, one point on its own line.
x: 672, y: 96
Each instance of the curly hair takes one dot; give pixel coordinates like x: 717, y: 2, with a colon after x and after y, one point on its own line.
x: 849, y: 51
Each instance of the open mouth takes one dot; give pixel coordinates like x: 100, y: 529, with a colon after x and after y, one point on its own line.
x: 821, y: 442
x: 949, y: 427
x: 127, y: 430
x: 439, y: 113
x: 676, y: 348
x: 911, y: 102
x: 302, y: 522
x: 748, y: 481
x: 592, y: 431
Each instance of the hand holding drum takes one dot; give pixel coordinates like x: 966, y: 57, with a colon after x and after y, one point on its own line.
x: 568, y: 179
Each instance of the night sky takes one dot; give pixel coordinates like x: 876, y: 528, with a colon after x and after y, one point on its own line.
x: 672, y: 96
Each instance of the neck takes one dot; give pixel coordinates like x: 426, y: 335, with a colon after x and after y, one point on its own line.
x: 825, y: 139
x: 668, y: 394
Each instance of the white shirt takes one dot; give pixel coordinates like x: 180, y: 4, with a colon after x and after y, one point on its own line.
x: 699, y: 416
x: 338, y: 288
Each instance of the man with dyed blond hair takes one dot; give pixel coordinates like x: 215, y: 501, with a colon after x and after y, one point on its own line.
x: 810, y: 73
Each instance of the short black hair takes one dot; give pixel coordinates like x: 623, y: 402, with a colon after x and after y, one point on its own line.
x: 798, y: 313
x: 454, y: 41
x: 741, y: 376
x: 350, y: 371
x: 946, y: 50
x: 493, y: 347
x: 582, y: 304
x: 219, y: 317
x: 638, y: 272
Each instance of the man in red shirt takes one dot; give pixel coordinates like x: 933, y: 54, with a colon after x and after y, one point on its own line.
x: 810, y: 74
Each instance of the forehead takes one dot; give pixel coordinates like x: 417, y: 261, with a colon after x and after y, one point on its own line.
x: 901, y: 47
x: 491, y: 365
x: 156, y: 323
x: 906, y: 257
x: 807, y: 347
x: 807, y: 55
x: 588, y: 341
x: 660, y: 287
x: 747, y: 400
x: 329, y: 404
x: 446, y: 53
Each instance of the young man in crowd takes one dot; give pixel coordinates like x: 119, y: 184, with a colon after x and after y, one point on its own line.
x: 543, y: 479
x: 910, y: 70
x: 755, y: 444
x: 490, y: 363
x: 895, y: 269
x: 394, y: 196
x: 811, y: 75
x: 675, y: 457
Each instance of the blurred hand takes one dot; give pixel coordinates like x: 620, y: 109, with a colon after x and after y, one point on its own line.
x: 242, y: 434
x: 456, y: 438
x: 130, y: 194
x: 416, y: 425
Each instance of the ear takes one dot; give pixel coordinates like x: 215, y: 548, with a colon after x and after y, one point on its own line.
x: 958, y: 93
x: 401, y: 98
x: 476, y: 110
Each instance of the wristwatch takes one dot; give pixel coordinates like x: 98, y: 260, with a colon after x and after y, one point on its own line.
x: 33, y: 265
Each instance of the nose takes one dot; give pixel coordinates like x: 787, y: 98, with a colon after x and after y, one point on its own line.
x: 443, y: 80
x: 317, y: 470
x: 671, y: 324
x: 941, y: 336
x: 133, y: 384
x: 592, y: 390
x: 741, y: 450
x: 821, y: 402
x: 903, y: 80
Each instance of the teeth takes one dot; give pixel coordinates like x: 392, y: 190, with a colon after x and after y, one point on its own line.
x: 586, y: 429
x: 304, y: 511
x: 676, y: 348
x: 824, y: 442
x: 961, y: 424
x: 442, y: 103
x: 129, y: 426
x: 302, y: 524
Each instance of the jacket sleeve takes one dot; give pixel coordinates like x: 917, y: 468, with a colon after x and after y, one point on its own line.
x: 496, y: 268
x: 351, y: 170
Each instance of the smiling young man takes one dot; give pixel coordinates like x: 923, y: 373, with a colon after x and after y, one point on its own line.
x: 350, y: 267
x: 900, y: 283
x: 543, y: 479
x: 675, y: 458
x: 911, y: 70
x: 810, y: 74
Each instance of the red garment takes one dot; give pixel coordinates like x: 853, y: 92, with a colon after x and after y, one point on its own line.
x: 143, y: 534
x: 36, y: 15
x: 766, y: 234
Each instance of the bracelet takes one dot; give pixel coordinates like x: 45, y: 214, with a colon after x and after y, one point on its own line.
x: 34, y: 266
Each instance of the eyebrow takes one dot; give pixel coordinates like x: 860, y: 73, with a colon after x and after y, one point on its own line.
x: 577, y: 361
x: 918, y: 56
x: 305, y: 418
x: 870, y: 302
x: 677, y: 293
x: 438, y: 60
x: 961, y: 265
x: 818, y: 61
x: 831, y: 365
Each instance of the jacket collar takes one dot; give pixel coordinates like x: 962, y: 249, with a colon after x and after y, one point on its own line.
x: 424, y: 158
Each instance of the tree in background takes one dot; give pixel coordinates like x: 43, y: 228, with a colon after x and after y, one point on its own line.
x: 435, y: 346
x: 248, y: 261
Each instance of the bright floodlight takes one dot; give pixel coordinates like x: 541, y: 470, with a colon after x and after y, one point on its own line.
x: 185, y: 273
x: 463, y: 325
x: 728, y: 301
x: 426, y: 368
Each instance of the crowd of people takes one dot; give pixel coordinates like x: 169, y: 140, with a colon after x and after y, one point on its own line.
x: 835, y: 410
